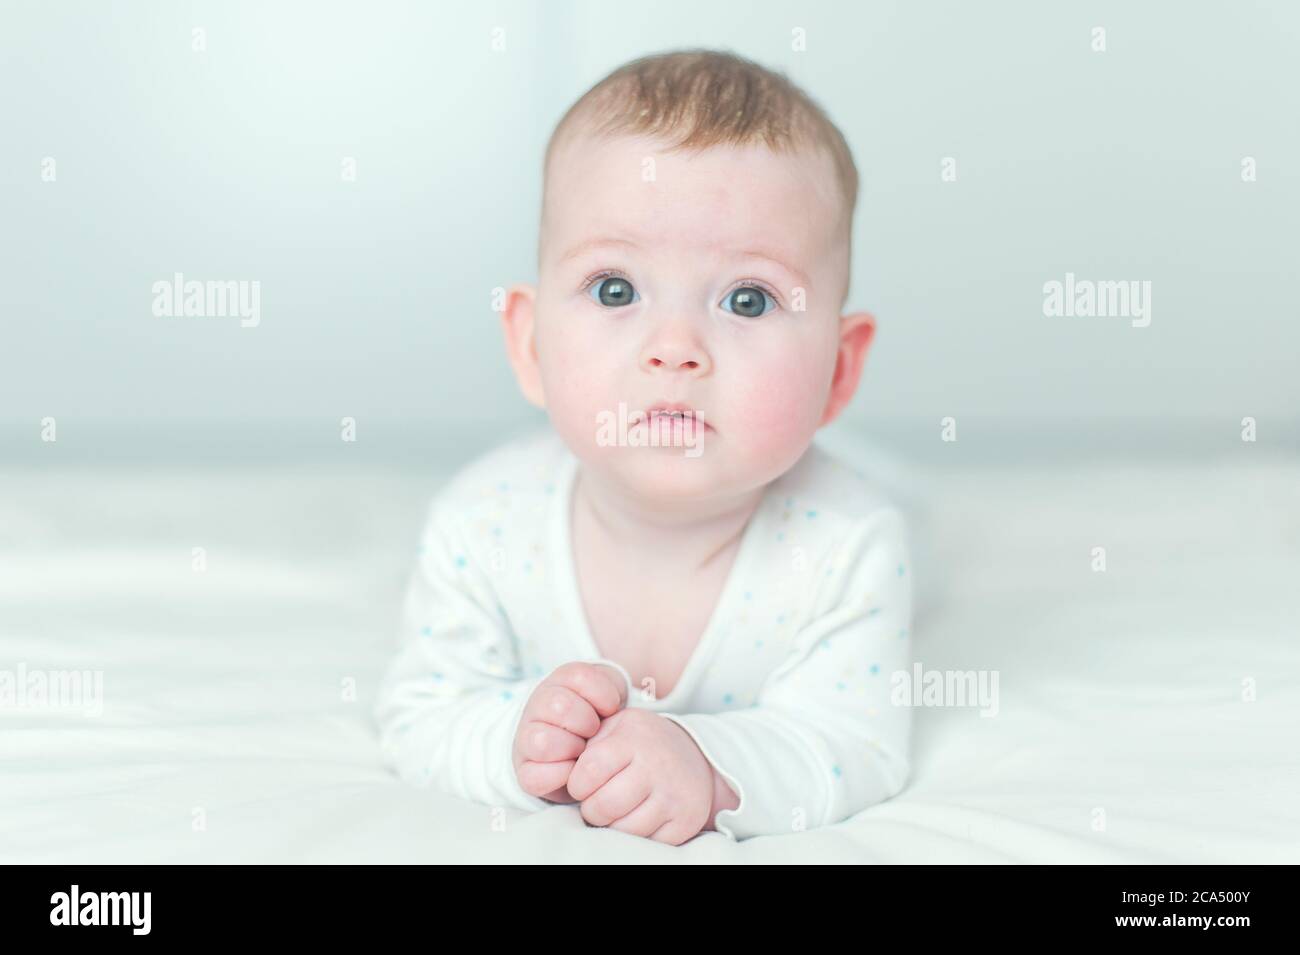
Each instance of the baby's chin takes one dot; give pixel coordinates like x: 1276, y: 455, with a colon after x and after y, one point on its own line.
x: 658, y: 477
x: 664, y: 475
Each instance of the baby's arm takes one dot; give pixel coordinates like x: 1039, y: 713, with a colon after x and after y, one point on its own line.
x: 452, y: 701
x: 822, y: 740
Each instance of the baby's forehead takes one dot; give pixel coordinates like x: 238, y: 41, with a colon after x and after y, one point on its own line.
x: 719, y: 195
x: 625, y: 158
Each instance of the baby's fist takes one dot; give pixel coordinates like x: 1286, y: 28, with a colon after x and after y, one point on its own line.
x: 665, y: 793
x: 563, y: 712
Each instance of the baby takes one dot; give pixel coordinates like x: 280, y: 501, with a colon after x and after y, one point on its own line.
x: 681, y: 617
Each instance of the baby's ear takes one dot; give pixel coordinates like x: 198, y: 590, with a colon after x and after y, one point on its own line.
x: 856, y: 332
x: 519, y: 321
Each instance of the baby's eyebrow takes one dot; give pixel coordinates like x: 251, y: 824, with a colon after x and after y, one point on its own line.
x: 772, y: 257
x: 778, y: 262
x: 590, y: 244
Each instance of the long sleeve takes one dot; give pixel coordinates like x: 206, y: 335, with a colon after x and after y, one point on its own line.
x: 822, y: 740
x: 451, y: 700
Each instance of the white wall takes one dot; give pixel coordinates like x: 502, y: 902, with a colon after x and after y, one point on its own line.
x: 225, y: 164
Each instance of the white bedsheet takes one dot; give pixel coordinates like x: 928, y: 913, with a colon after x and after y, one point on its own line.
x: 226, y: 736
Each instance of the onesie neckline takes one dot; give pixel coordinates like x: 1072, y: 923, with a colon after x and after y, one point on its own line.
x: 571, y: 594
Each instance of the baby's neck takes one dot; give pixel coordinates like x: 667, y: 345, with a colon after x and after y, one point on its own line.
x: 685, y: 537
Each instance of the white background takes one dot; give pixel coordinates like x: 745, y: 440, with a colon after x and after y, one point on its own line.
x: 376, y: 294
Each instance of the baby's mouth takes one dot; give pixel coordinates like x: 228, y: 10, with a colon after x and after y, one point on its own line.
x: 673, y: 416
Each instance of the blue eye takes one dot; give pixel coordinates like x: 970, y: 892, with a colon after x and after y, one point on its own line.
x: 614, y: 291
x: 749, y: 301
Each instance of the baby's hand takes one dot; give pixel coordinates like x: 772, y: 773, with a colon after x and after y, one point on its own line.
x: 563, y: 712
x: 643, y: 774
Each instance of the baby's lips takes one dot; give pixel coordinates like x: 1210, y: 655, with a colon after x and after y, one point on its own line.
x: 688, y: 415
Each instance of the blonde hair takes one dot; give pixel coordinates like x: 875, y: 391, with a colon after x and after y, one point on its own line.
x: 702, y: 98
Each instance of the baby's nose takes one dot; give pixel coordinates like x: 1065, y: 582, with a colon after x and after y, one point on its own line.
x: 687, y: 364
x: 674, y: 355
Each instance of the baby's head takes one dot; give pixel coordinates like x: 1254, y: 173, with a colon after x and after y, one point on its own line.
x: 694, y: 252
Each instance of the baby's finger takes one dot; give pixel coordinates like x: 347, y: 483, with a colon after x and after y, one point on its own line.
x: 600, y: 685
x: 541, y: 779
x: 562, y: 707
x: 614, y: 800
x: 674, y: 832
x: 546, y: 743
x: 599, y: 763
x: 644, y: 820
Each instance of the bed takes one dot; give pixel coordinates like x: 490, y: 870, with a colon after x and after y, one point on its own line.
x: 239, y: 619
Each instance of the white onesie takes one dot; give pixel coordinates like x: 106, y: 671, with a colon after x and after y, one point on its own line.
x: 786, y: 694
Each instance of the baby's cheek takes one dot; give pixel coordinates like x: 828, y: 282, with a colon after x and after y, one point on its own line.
x: 573, y: 408
x: 582, y: 395
x: 776, y: 414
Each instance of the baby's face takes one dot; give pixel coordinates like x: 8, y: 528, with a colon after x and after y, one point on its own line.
x: 709, y: 280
